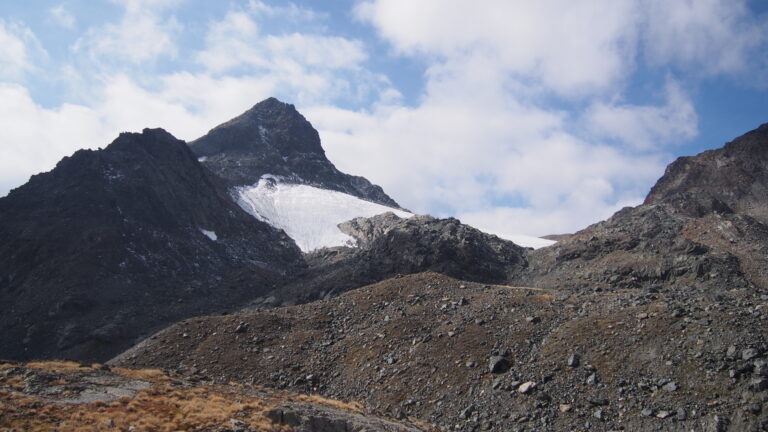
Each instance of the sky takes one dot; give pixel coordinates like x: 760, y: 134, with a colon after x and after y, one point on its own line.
x: 518, y: 117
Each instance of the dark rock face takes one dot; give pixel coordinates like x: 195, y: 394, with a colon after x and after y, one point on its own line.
x: 391, y: 246
x: 273, y: 138
x: 110, y: 245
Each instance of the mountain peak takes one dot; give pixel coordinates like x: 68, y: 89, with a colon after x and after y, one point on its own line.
x: 274, y: 138
x: 730, y: 179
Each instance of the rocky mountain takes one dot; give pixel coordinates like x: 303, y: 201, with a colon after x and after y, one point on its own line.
x: 728, y: 180
x: 654, y: 319
x: 703, y: 225
x: 114, y: 243
x: 273, y: 138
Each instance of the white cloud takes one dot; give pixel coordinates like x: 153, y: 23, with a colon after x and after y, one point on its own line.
x: 62, y: 16
x: 235, y: 42
x: 488, y: 140
x: 142, y: 35
x: 712, y: 36
x: 309, y: 66
x: 571, y: 47
x: 35, y: 138
x: 646, y: 127
x: 285, y: 11
x: 19, y: 48
x: 574, y: 48
x: 481, y: 162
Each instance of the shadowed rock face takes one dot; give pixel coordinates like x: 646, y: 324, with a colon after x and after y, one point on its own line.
x: 273, y: 138
x: 113, y: 243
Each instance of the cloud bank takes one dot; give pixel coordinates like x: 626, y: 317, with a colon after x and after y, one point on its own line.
x: 528, y: 119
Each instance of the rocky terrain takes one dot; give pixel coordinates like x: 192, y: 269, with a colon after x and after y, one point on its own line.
x: 273, y: 138
x: 66, y: 396
x: 113, y: 244
x: 389, y: 246
x: 475, y: 357
x: 702, y: 226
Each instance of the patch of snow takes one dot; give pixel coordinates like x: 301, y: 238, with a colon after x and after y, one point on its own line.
x: 263, y: 134
x: 528, y: 241
x: 210, y: 234
x: 202, y: 158
x: 309, y: 215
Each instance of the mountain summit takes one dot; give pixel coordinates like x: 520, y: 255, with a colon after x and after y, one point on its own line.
x: 272, y: 138
x: 731, y: 179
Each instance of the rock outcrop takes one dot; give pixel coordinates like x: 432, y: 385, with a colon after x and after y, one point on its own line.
x: 389, y: 246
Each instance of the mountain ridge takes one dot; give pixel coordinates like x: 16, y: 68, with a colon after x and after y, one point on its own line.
x: 79, y: 242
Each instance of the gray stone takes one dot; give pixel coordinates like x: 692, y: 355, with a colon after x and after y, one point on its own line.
x: 526, y: 387
x: 574, y: 360
x: 681, y: 414
x: 599, y: 414
x: 592, y: 379
x: 467, y: 412
x: 670, y: 386
x: 749, y: 354
x: 498, y: 364
x: 758, y: 384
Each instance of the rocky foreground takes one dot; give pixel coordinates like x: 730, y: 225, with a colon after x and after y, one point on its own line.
x: 67, y: 396
x: 476, y: 357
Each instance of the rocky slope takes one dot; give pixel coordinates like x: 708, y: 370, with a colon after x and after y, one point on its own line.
x: 114, y: 243
x: 273, y: 138
x: 475, y: 357
x: 728, y: 180
x: 703, y: 226
x: 71, y: 397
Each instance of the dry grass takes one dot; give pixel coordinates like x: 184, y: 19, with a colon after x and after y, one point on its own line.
x: 149, y: 375
x: 351, y: 406
x: 57, y: 366
x: 162, y: 407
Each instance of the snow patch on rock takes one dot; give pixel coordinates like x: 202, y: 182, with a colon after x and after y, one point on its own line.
x: 210, y: 234
x: 309, y: 215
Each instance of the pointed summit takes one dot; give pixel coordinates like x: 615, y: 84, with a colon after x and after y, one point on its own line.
x: 273, y: 138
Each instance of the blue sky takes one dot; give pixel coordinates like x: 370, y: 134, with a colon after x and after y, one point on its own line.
x: 530, y: 117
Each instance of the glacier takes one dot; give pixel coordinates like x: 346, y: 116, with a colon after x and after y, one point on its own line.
x: 311, y: 215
